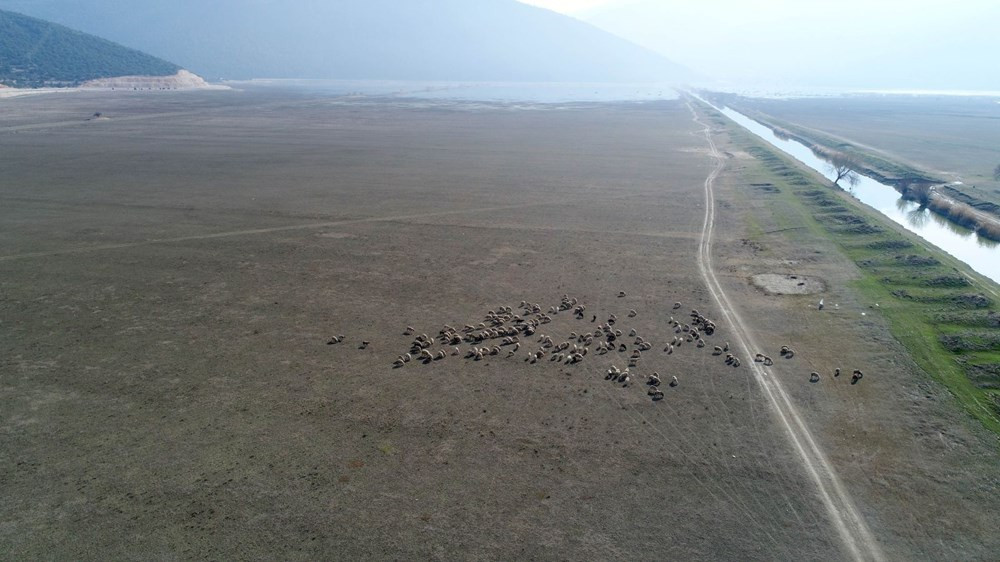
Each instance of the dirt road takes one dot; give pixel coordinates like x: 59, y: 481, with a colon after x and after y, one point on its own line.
x: 851, y: 527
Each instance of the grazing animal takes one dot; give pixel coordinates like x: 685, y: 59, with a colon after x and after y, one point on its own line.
x: 409, y: 331
x: 857, y: 376
x: 836, y: 372
x: 814, y: 377
x: 621, y: 294
x: 365, y: 344
x: 673, y: 381
x: 632, y: 313
x: 768, y: 361
x: 718, y: 351
x: 654, y: 380
x: 335, y: 339
x: 677, y: 305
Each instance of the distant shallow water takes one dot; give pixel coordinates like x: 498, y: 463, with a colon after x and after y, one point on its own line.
x: 533, y: 92
x: 981, y: 254
x: 801, y: 93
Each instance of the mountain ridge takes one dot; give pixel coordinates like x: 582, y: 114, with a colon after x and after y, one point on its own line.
x: 37, y: 53
x: 488, y: 40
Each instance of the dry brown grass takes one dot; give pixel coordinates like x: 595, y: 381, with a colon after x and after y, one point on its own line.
x: 959, y: 213
x: 989, y: 230
x: 783, y: 134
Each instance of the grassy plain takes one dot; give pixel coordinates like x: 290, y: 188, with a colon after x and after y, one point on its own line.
x: 945, y: 314
x: 170, y: 277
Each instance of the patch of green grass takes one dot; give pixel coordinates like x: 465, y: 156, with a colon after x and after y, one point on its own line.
x: 937, y: 308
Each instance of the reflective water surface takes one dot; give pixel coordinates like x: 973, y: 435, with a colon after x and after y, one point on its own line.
x: 981, y: 254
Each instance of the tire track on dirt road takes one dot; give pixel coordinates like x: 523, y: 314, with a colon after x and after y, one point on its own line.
x: 851, y: 527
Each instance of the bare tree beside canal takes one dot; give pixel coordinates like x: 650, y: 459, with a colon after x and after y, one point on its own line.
x: 844, y: 167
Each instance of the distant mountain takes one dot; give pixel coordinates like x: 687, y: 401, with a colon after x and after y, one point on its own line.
x: 35, y: 53
x: 488, y: 40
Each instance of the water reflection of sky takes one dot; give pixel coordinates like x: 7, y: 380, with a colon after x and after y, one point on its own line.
x: 981, y: 254
x: 532, y: 92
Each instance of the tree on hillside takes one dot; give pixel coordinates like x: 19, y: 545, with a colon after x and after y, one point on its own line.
x: 844, y: 167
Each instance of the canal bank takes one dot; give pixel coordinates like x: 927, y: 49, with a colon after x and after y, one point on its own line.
x: 978, y: 252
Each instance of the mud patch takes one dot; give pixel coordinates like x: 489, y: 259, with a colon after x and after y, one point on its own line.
x: 787, y: 284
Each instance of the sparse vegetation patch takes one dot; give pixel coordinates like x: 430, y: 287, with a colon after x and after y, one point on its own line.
x: 939, y: 315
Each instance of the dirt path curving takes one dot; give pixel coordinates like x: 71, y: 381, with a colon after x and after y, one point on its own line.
x: 858, y: 540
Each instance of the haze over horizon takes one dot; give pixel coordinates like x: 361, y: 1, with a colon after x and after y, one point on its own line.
x: 425, y: 40
x: 890, y: 44
x: 774, y: 45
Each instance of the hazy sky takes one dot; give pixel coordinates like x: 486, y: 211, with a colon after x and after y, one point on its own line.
x: 571, y: 6
x: 837, y: 43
